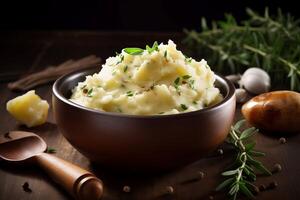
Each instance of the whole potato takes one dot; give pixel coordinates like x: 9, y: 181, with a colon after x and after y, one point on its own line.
x: 277, y: 111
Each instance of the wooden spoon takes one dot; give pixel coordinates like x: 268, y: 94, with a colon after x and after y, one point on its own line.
x: 21, y: 145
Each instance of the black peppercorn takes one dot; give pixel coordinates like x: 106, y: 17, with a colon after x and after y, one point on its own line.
x: 282, y: 140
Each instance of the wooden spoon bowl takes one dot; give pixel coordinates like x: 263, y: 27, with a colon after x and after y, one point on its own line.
x: 21, y: 145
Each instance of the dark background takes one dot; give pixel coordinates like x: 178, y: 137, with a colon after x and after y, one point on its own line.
x: 131, y: 15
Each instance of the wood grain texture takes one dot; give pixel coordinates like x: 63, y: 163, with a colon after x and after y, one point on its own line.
x: 23, y: 52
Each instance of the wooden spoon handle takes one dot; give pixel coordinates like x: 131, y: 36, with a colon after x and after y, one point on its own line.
x: 77, y: 181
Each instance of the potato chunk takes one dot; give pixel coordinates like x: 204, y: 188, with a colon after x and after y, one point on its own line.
x: 29, y: 109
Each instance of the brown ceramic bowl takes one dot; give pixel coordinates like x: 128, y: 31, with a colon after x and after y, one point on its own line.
x: 141, y: 142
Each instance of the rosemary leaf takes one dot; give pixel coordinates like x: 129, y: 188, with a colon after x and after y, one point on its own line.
x: 230, y: 172
x: 239, y: 124
x: 248, y: 133
x: 249, y: 146
x: 246, y: 191
x: 256, y: 153
x: 224, y: 184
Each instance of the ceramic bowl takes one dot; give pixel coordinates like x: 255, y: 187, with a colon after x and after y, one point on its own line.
x: 141, y: 142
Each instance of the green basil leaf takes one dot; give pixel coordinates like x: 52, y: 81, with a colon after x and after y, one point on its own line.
x: 134, y: 50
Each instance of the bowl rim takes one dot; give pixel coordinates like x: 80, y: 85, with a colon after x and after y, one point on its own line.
x: 230, y: 94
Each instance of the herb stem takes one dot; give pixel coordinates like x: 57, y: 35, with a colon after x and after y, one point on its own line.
x: 264, y: 54
x: 238, y: 141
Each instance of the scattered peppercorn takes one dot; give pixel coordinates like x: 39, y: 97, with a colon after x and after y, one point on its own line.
x: 169, y: 190
x: 277, y: 168
x: 126, y: 189
x: 195, y: 177
x: 272, y: 185
x: 26, y: 187
x: 282, y: 140
x: 255, y: 190
x: 200, y: 174
x: 220, y: 151
x: 85, y: 91
x: 262, y: 187
x: 6, y: 135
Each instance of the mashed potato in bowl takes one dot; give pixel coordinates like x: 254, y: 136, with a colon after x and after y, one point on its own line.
x: 157, y: 80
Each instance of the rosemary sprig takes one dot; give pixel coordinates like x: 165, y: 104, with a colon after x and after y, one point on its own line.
x: 240, y: 177
x: 268, y: 42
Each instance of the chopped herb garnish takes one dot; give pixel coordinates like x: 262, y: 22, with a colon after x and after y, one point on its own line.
x: 119, y: 110
x: 191, y: 83
x: 187, y: 59
x: 83, y: 87
x: 176, y: 82
x: 125, y: 68
x: 183, y: 106
x: 6, y: 135
x: 186, y: 76
x: 133, y: 51
x: 161, y: 113
x: 129, y: 93
x: 50, y: 150
x: 121, y: 59
x: 195, y: 102
x: 113, y: 73
x: 89, y: 93
x: 153, y: 48
x: 123, y: 86
x: 165, y: 54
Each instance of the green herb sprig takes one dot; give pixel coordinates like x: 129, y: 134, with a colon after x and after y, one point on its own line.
x: 269, y: 42
x: 138, y: 51
x: 89, y: 93
x: 239, y: 179
x: 153, y: 48
x: 129, y: 93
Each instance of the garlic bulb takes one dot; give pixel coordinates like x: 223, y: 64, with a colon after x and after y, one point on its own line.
x: 256, y: 81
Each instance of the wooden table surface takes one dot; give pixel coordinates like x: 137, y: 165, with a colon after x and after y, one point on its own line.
x: 25, y: 52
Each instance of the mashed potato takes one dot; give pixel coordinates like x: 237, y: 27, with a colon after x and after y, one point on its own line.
x: 158, y: 80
